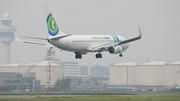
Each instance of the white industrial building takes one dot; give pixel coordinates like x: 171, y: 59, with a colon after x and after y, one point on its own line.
x: 172, y: 73
x: 149, y: 74
x: 123, y: 73
x: 37, y: 69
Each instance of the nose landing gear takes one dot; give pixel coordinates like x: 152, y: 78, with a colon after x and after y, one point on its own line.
x: 120, y: 55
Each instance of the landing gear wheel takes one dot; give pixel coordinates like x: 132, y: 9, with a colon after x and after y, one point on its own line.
x: 78, y: 56
x: 120, y: 55
x: 98, y: 56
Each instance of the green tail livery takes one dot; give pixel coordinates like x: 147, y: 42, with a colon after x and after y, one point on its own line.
x: 52, y: 26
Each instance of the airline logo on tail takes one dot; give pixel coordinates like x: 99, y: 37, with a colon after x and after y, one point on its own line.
x: 52, y: 26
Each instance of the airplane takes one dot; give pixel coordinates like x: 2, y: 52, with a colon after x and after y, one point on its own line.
x: 81, y: 44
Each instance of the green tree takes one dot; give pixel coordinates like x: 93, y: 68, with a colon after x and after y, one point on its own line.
x: 65, y: 83
x: 68, y: 82
x: 57, y: 86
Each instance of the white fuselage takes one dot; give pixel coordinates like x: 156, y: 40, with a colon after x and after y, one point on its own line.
x: 85, y: 43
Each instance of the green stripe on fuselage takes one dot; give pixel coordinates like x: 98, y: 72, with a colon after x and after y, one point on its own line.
x: 114, y: 38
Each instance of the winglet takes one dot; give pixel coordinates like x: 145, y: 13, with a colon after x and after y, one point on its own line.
x: 16, y: 36
x: 140, y: 34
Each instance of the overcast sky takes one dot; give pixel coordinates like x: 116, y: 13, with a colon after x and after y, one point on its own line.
x: 159, y: 21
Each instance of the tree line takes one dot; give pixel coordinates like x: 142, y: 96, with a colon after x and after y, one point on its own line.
x: 63, y: 84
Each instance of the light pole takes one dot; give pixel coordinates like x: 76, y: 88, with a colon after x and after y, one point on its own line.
x: 127, y: 78
x: 120, y: 80
x: 127, y: 75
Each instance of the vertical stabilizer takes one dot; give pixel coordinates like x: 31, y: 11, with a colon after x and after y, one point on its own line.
x: 53, y: 29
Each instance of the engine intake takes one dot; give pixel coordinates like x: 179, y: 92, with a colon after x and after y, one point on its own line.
x: 115, y: 50
x: 111, y: 50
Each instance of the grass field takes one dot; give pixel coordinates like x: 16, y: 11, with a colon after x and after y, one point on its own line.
x: 99, y: 98
x: 93, y: 92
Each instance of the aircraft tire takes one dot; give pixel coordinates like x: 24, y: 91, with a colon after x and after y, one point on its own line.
x: 78, y: 56
x: 100, y: 55
x: 120, y: 55
x: 97, y: 56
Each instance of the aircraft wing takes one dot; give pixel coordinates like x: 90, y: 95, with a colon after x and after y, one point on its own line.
x: 106, y: 46
x: 31, y: 42
x: 132, y: 39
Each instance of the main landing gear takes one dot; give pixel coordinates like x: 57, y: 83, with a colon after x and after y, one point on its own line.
x: 99, y: 55
x: 78, y: 55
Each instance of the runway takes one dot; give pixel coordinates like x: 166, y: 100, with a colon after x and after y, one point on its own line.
x: 56, y: 95
x: 36, y: 96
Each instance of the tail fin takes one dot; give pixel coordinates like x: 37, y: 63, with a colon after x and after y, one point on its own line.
x: 53, y: 29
